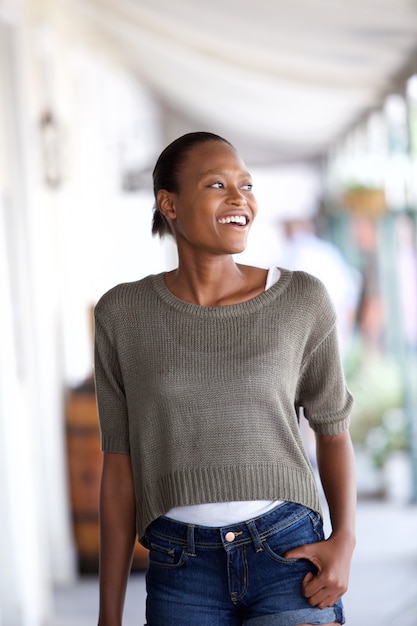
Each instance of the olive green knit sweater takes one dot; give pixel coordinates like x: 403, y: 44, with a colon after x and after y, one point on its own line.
x: 205, y: 399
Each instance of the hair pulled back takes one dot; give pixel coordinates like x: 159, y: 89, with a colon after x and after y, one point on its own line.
x: 167, y: 167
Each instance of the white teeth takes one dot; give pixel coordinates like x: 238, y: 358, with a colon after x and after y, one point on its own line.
x: 234, y: 219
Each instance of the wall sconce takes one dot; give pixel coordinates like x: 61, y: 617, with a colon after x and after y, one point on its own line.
x: 50, y: 140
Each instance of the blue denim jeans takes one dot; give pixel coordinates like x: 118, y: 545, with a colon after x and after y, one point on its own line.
x: 235, y: 575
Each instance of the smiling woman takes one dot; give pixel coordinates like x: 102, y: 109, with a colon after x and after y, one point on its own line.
x: 206, y: 202
x: 201, y: 373
x: 207, y: 186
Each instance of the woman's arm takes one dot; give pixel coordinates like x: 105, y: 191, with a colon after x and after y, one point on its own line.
x: 335, y: 459
x: 117, y: 535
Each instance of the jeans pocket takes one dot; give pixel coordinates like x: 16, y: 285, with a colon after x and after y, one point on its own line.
x: 165, y: 554
x: 304, y: 530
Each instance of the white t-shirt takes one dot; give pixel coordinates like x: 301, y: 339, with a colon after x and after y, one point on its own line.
x: 224, y: 513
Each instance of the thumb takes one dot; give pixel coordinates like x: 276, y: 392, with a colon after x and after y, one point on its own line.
x: 302, y: 552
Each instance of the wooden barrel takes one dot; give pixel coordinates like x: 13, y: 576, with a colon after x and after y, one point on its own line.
x: 84, y: 467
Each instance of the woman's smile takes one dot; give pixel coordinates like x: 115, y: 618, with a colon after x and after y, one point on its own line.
x: 234, y: 220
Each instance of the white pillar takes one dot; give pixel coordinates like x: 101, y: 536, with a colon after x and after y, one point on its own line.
x: 35, y: 544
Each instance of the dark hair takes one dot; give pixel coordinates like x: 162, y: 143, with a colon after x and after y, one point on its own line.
x: 165, y: 173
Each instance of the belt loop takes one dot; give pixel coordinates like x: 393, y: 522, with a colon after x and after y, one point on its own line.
x: 190, y: 541
x: 255, y: 536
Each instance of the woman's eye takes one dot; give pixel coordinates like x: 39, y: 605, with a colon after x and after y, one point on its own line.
x: 217, y: 185
x: 248, y: 187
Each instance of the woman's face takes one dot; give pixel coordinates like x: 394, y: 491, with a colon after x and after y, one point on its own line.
x: 214, y: 207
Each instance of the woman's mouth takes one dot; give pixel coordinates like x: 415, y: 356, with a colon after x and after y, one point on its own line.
x: 239, y: 220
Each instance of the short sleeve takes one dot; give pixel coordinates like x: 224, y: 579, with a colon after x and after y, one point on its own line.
x: 322, y: 390
x: 111, y: 399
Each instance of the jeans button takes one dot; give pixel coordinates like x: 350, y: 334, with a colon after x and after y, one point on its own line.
x: 230, y: 536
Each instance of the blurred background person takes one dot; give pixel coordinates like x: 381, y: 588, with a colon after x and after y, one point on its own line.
x: 305, y: 250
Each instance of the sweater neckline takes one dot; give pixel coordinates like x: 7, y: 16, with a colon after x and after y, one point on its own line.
x: 226, y: 310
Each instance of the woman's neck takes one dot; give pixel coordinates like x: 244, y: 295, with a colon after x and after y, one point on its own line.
x: 217, y: 283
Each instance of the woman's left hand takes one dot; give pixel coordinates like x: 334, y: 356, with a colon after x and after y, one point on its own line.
x: 332, y: 559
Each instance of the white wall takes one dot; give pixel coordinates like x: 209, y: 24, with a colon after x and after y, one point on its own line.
x: 27, y: 568
x: 104, y: 232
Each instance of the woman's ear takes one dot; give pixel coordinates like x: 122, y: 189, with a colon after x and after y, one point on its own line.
x: 166, y: 204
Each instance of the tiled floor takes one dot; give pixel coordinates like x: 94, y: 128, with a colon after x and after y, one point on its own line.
x: 77, y: 605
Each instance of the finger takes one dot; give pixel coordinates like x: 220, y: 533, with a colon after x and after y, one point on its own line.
x: 307, y: 579
x: 297, y: 553
x: 311, y: 585
x: 314, y: 591
x: 321, y: 592
x: 323, y: 599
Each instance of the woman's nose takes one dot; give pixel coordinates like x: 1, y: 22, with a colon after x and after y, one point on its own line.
x: 237, y: 197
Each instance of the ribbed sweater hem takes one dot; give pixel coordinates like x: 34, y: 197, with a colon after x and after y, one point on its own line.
x: 201, y: 485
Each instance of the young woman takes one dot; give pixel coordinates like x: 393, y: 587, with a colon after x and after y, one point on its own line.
x: 201, y: 374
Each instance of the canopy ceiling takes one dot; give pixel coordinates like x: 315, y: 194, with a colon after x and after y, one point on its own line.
x: 286, y: 77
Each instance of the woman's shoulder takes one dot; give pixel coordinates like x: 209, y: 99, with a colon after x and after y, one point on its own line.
x: 308, y: 294
x: 306, y: 282
x: 124, y: 293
